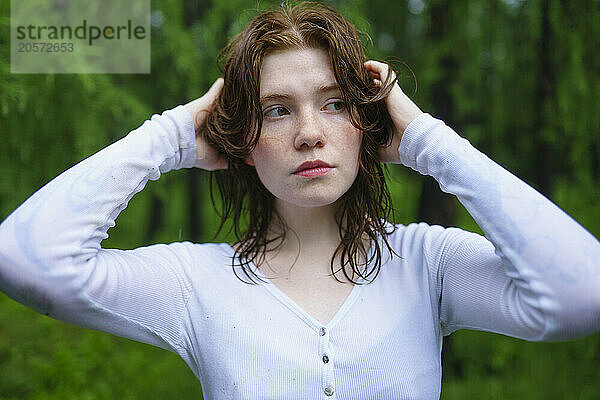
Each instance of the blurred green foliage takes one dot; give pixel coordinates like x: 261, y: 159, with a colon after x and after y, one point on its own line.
x: 521, y: 80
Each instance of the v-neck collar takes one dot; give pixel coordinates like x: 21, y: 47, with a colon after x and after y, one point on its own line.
x: 299, y: 311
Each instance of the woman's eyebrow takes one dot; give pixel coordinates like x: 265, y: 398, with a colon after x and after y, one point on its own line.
x: 333, y: 87
x: 274, y: 96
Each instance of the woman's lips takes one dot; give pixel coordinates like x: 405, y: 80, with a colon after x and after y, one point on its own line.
x: 313, y: 172
x: 311, y: 169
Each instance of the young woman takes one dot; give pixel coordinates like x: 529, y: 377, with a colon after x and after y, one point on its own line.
x: 345, y: 304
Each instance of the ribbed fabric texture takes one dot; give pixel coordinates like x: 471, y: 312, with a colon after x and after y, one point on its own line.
x: 534, y: 276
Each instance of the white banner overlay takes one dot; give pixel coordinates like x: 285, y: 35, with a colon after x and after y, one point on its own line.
x: 74, y: 36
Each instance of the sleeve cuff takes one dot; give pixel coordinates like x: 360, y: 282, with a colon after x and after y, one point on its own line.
x: 418, y: 127
x: 186, y: 135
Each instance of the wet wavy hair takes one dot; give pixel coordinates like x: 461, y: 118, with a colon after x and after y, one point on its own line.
x: 234, y: 127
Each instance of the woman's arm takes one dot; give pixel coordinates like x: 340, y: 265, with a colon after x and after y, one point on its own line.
x: 536, y: 276
x: 50, y: 254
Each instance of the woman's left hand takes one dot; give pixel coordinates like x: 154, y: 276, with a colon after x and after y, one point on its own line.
x: 401, y: 108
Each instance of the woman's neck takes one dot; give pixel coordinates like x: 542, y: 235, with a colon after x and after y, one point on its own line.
x: 314, y: 227
x: 311, y: 238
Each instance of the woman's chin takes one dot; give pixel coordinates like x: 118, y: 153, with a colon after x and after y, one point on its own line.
x: 309, y: 201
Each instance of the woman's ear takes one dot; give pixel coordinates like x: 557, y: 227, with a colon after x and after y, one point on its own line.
x: 248, y: 160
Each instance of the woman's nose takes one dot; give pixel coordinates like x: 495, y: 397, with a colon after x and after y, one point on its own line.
x: 309, y: 131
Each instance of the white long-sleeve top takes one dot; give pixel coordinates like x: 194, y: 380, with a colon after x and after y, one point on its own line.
x: 535, y: 275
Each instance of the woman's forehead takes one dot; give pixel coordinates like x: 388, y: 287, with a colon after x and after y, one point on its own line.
x: 293, y: 70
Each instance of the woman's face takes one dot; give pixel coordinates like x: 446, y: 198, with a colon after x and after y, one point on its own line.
x: 304, y: 120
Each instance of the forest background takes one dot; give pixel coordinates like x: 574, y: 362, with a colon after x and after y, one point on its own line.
x: 519, y: 79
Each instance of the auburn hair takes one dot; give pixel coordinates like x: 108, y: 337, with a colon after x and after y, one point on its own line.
x: 234, y: 127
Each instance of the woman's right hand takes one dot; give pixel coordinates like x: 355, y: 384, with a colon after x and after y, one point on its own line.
x: 207, y: 157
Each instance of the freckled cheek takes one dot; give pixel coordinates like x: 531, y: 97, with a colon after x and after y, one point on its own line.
x: 268, y: 147
x: 267, y: 153
x: 349, y: 140
x: 270, y: 140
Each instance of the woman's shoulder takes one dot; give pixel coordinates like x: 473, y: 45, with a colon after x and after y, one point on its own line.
x: 185, y: 253
x: 414, y: 229
x: 424, y: 237
x: 423, y: 248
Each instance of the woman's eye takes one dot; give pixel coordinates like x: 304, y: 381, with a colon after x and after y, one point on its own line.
x: 335, y: 106
x: 276, y: 112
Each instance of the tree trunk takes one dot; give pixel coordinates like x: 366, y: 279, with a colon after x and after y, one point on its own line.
x: 195, y: 218
x: 156, y: 216
x: 544, y: 154
x: 437, y: 207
